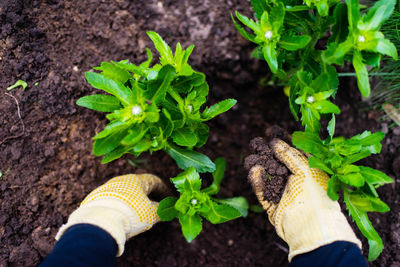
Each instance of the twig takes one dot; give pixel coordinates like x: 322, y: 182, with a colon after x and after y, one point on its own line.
x: 19, y: 116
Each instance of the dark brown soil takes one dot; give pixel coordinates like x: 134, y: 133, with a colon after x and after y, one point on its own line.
x: 276, y: 174
x: 49, y: 168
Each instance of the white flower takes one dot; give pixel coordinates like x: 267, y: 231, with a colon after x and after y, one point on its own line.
x: 268, y: 35
x: 194, y: 201
x: 361, y: 38
x: 310, y: 99
x: 136, y: 110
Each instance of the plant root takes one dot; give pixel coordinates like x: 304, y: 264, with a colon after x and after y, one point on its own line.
x: 20, y: 119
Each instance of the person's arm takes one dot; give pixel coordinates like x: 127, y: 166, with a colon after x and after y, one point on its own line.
x: 112, y: 213
x: 83, y: 245
x: 306, y: 218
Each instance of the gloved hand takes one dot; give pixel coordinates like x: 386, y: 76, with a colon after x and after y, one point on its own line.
x: 120, y: 207
x: 306, y: 218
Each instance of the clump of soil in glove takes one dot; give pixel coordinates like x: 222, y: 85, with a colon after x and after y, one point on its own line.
x: 276, y: 173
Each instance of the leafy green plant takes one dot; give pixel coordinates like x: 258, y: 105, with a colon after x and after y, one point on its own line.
x: 303, y: 43
x: 195, y: 203
x: 336, y: 156
x: 153, y: 108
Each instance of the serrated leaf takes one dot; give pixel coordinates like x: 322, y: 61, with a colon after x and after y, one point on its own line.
x: 110, y: 86
x: 184, y: 84
x: 333, y: 188
x: 375, y: 177
x: 202, y: 132
x: 367, y: 203
x: 378, y: 14
x: 386, y: 47
x: 248, y: 22
x: 113, y: 72
x: 166, y: 209
x: 103, y: 103
x: 246, y: 35
x: 166, y: 56
x: 309, y: 142
x: 216, y: 109
x: 188, y: 158
x: 191, y: 226
x: 366, y: 228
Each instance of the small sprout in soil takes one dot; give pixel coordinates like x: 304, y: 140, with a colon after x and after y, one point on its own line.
x: 36, y: 84
x: 17, y: 84
x: 195, y: 203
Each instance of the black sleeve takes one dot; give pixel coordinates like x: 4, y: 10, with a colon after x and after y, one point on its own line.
x: 83, y: 245
x: 336, y: 254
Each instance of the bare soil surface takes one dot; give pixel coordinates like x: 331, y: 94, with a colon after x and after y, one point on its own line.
x: 45, y: 156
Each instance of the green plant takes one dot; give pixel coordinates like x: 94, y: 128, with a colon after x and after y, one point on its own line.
x: 195, y: 203
x: 154, y: 108
x: 302, y: 43
x: 336, y: 156
x: 18, y: 83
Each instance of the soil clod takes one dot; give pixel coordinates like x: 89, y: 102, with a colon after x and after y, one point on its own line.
x: 275, y: 176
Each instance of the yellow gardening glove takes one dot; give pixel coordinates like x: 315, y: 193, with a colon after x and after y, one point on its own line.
x: 306, y: 218
x: 120, y: 207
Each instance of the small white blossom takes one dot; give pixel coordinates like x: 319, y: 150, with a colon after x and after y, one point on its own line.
x: 310, y: 99
x: 136, y: 110
x: 194, y: 201
x: 361, y: 38
x: 189, y: 107
x: 268, y: 35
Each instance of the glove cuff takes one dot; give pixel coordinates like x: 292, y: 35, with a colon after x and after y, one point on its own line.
x: 110, y: 214
x: 308, y: 230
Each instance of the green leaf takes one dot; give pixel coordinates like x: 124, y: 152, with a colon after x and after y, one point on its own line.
x: 184, y: 137
x: 375, y: 177
x: 319, y: 164
x: 218, y: 175
x: 356, y: 157
x: 111, y: 128
x: 271, y: 57
x: 166, y: 209
x: 191, y: 226
x: 113, y: 72
x: 277, y: 16
x: 188, y: 158
x: 309, y: 142
x: 239, y: 203
x: 246, y: 35
x: 17, y: 84
x: 259, y: 6
x: 331, y: 126
x: 184, y: 84
x: 142, y: 146
x: 220, y: 213
x: 352, y: 179
x: 191, y: 176
x: 366, y: 228
x: 362, y: 73
x: 115, y: 154
x: 353, y: 12
x: 293, y: 43
x: 216, y: 109
x: 248, y: 22
x: 202, y: 132
x: 378, y: 14
x: 334, y: 54
x: 386, y: 47
x: 108, y: 144
x: 326, y: 107
x: 166, y: 56
x: 310, y: 118
x: 135, y: 135
x: 367, y: 203
x: 110, y: 86
x: 333, y: 188
x: 103, y: 103
x: 157, y: 90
